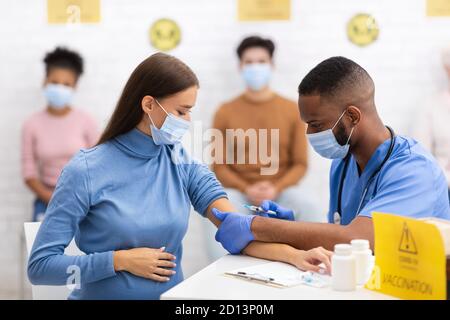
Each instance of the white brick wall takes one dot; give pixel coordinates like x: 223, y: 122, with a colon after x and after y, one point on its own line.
x: 404, y: 63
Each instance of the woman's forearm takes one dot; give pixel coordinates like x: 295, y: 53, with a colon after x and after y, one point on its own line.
x: 119, y: 260
x: 274, y: 251
x: 271, y: 251
x: 310, y: 260
x: 257, y: 249
x: 222, y: 204
x: 264, y: 250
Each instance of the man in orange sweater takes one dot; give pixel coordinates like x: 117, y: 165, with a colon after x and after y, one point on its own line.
x: 262, y: 111
x: 271, y: 131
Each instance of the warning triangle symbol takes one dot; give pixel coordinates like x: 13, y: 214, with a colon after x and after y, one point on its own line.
x: 407, y: 243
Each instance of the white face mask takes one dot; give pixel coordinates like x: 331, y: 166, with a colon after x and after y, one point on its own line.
x: 325, y: 143
x: 58, y: 95
x: 172, y: 130
x: 256, y: 75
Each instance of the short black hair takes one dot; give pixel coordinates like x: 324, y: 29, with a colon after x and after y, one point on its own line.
x: 64, y: 58
x: 255, y: 41
x: 332, y: 76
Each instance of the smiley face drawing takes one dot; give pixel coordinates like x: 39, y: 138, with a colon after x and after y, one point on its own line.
x: 362, y: 29
x: 165, y: 34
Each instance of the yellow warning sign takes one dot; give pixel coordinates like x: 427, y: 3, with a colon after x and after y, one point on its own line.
x: 410, y: 261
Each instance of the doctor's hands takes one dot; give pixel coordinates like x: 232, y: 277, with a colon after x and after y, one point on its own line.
x: 282, y: 213
x: 234, y: 232
x: 145, y: 262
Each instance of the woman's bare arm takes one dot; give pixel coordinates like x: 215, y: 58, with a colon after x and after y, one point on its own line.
x: 305, y: 260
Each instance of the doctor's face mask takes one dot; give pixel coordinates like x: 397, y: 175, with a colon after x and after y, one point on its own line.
x: 328, y: 145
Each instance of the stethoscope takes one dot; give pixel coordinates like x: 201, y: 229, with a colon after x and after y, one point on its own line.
x: 338, y: 214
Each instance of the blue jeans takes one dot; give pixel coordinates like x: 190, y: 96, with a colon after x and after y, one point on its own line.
x: 39, y: 208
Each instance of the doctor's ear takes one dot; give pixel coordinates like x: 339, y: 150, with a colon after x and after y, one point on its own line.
x: 354, y: 114
x: 147, y: 103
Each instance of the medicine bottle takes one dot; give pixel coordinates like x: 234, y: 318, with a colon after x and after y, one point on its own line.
x: 363, y: 256
x: 343, y: 268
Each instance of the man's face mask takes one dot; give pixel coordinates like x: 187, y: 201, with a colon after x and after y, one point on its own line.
x: 325, y: 143
x: 171, y: 131
x: 256, y: 75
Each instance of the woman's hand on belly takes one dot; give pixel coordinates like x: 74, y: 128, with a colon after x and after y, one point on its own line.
x: 148, y: 263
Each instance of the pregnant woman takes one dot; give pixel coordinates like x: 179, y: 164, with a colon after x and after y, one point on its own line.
x: 127, y: 200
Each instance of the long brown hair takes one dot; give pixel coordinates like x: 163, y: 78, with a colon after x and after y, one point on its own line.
x: 159, y: 76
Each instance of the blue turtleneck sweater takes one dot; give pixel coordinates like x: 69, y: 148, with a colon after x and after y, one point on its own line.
x: 125, y: 193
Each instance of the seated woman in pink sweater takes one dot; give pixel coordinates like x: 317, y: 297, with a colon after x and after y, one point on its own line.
x: 51, y: 137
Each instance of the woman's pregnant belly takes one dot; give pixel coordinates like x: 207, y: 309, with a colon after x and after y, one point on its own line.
x: 126, y: 286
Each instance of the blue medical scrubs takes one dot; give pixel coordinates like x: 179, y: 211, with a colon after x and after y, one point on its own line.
x: 410, y: 184
x: 125, y: 193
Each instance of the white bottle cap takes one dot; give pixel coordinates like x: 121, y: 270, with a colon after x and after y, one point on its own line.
x: 360, y: 244
x: 343, y: 249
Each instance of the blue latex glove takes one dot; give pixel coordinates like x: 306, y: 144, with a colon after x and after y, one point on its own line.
x: 234, y: 233
x: 282, y: 213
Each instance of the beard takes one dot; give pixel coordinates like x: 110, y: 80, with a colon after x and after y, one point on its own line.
x: 341, y: 134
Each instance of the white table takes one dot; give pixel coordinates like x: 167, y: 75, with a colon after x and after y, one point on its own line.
x: 210, y: 283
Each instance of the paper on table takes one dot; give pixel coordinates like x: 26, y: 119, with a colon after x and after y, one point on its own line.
x: 279, y: 274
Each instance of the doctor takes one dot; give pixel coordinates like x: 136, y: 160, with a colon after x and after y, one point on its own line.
x: 373, y: 168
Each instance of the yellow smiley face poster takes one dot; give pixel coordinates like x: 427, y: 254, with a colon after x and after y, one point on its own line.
x: 165, y: 34
x: 362, y: 29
